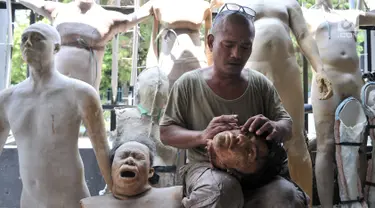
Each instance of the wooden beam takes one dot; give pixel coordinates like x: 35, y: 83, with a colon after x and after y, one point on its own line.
x: 122, y: 9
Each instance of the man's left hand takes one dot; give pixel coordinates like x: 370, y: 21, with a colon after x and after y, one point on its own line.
x: 261, y: 125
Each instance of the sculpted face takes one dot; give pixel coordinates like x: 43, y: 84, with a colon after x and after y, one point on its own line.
x: 39, y: 43
x: 131, y: 170
x: 231, y: 43
x: 234, y: 150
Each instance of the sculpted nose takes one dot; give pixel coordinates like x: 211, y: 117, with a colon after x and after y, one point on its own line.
x: 130, y: 161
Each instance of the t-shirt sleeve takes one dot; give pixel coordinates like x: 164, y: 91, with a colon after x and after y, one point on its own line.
x: 175, y: 110
x: 274, y: 108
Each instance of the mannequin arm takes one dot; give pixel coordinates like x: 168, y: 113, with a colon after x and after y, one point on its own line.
x: 92, y: 116
x: 305, y: 40
x: 367, y: 18
x: 4, y: 124
x: 125, y: 22
x: 44, y: 8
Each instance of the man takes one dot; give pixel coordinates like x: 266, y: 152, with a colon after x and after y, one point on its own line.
x: 44, y: 113
x: 223, y: 97
x: 131, y: 173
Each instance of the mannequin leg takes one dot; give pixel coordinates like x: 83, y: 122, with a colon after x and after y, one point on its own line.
x: 299, y: 160
x: 324, y: 117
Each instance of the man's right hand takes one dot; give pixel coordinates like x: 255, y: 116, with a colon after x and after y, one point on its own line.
x: 217, y: 125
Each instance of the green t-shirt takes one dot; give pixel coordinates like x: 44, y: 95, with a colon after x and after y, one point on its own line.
x: 192, y: 105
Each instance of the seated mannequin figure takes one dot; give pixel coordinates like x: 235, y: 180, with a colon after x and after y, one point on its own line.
x: 151, y: 93
x: 85, y: 29
x: 181, y: 49
x: 335, y: 35
x: 131, y: 171
x: 273, y: 55
x: 44, y: 113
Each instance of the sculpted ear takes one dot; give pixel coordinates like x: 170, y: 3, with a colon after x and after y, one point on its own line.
x: 151, y: 172
x: 210, y: 41
x: 252, y: 153
x: 57, y: 48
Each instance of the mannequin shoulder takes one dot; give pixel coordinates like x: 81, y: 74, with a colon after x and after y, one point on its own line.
x: 82, y: 89
x: 5, y: 94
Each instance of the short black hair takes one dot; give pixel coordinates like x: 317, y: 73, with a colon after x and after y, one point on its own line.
x: 220, y: 18
x: 143, y: 139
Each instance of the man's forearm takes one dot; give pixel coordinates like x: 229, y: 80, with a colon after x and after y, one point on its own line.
x: 181, y: 138
x: 285, y: 126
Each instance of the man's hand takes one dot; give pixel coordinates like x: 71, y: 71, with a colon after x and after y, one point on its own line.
x: 263, y: 126
x: 217, y: 125
x: 324, y: 85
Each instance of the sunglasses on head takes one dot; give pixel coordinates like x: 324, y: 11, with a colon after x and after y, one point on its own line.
x: 238, y: 8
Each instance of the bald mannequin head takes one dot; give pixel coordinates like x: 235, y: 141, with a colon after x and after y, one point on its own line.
x: 39, y: 43
x: 231, y: 41
x: 152, y: 88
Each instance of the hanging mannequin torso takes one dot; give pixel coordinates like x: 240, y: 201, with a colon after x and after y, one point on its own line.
x: 85, y: 29
x: 181, y: 46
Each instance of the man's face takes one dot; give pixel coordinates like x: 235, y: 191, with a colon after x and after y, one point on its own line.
x: 231, y: 47
x: 233, y: 150
x: 36, y: 49
x: 131, y: 168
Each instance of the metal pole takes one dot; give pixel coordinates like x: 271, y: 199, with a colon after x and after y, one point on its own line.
x: 306, y: 89
x: 134, y: 72
x: 8, y: 65
x: 369, y: 54
x: 114, y: 71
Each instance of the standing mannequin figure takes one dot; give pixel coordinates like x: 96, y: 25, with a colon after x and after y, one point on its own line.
x: 85, y: 29
x: 273, y: 55
x: 335, y: 35
x: 181, y: 48
x: 44, y: 113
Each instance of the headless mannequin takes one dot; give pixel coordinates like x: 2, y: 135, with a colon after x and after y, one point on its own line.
x: 337, y: 47
x: 151, y: 96
x: 181, y: 49
x: 273, y: 55
x: 46, y: 127
x: 131, y: 169
x: 85, y: 29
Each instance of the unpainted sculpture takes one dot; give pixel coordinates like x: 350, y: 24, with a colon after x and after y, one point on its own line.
x: 233, y: 150
x: 131, y: 170
x: 44, y: 113
x: 181, y: 48
x: 273, y: 55
x: 151, y: 94
x: 335, y: 34
x: 85, y: 29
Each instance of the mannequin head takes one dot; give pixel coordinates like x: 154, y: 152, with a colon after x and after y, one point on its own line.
x: 231, y: 41
x: 234, y: 150
x: 39, y: 43
x: 132, y: 167
x: 150, y: 83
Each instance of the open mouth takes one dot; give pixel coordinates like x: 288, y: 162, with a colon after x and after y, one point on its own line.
x: 127, y: 174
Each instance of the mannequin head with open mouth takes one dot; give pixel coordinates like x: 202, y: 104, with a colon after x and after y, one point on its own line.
x: 132, y: 167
